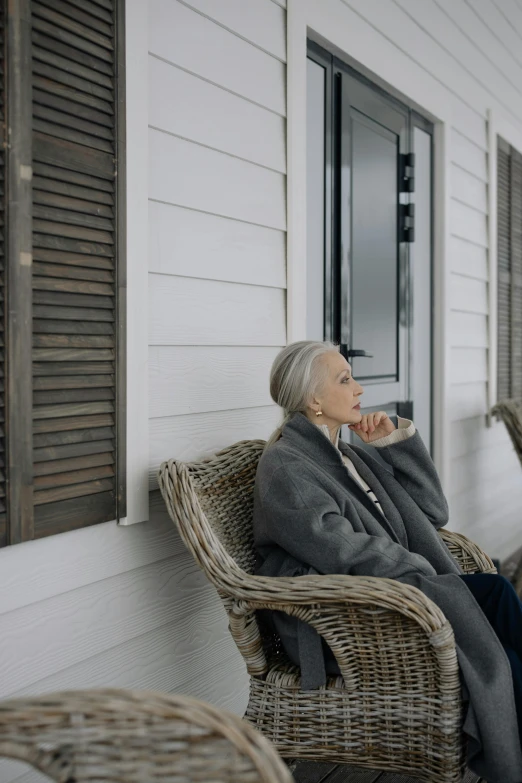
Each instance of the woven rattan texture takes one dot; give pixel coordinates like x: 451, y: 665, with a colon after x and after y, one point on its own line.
x: 136, y: 737
x: 397, y: 705
x: 511, y: 414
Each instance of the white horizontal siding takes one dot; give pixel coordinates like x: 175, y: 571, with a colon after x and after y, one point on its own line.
x: 469, y: 156
x: 468, y: 189
x: 468, y: 436
x: 39, y: 570
x: 464, y: 469
x: 261, y: 22
x: 185, y: 38
x: 468, y: 294
x: 467, y: 401
x: 190, y: 311
x: 468, y: 259
x: 217, y: 298
x: 213, y: 116
x: 468, y: 330
x: 196, y: 244
x: 128, y: 607
x: 189, y: 175
x: 194, y: 379
x: 468, y: 223
x: 201, y: 434
x: 468, y: 365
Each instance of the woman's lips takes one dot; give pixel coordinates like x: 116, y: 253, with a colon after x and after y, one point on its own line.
x: 357, y: 407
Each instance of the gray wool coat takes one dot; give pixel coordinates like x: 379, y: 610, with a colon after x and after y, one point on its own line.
x: 311, y: 516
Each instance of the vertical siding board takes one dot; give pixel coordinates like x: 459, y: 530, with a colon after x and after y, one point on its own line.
x: 19, y: 275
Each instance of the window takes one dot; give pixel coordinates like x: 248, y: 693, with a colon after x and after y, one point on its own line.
x: 63, y: 449
x: 509, y: 222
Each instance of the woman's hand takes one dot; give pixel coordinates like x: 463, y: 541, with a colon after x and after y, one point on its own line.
x: 373, y: 426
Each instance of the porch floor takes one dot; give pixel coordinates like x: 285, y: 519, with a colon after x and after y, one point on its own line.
x: 321, y: 772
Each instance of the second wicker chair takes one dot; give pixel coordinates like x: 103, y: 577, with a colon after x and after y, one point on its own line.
x: 136, y: 737
x: 397, y: 705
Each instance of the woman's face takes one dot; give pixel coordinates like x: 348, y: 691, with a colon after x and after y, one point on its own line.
x: 339, y: 397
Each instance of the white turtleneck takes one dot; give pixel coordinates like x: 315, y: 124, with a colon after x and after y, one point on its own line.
x: 405, y: 430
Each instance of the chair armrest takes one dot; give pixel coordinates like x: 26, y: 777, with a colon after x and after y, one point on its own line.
x: 366, y: 621
x: 471, y: 558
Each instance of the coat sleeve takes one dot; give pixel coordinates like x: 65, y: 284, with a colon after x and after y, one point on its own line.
x: 414, y: 470
x: 302, y: 518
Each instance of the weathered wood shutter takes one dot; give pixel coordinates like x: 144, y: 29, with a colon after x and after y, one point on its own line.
x: 504, y: 272
x: 75, y: 274
x: 3, y: 516
x: 516, y: 275
x: 509, y: 220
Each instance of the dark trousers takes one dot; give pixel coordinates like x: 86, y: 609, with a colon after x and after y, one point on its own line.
x: 502, y: 606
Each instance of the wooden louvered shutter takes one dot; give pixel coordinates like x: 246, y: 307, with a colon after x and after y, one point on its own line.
x: 76, y: 310
x: 504, y: 271
x: 516, y: 275
x: 3, y: 184
x: 509, y: 218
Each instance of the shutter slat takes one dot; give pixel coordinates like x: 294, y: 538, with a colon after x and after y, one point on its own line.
x: 74, y: 463
x: 53, y: 453
x: 67, y: 31
x: 504, y: 274
x: 73, y: 272
x: 80, y: 14
x: 71, y: 327
x: 61, y: 126
x: 81, y: 63
x: 3, y: 516
x: 66, y: 478
x: 73, y: 423
x: 66, y: 437
x: 74, y: 268
x: 53, y: 518
x: 61, y: 396
x: 56, y: 175
x: 73, y: 341
x: 67, y: 201
x: 74, y: 491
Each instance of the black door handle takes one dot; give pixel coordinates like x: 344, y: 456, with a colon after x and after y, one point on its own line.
x: 352, y: 352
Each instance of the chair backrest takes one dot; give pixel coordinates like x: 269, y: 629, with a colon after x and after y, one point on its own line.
x: 115, y: 735
x: 211, y: 502
x: 511, y: 414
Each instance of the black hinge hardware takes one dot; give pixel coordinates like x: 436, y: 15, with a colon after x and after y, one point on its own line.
x: 407, y: 173
x: 407, y: 222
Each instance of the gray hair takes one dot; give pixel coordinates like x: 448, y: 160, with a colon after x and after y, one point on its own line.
x: 296, y: 376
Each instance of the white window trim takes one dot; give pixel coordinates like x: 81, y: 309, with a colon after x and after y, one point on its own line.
x: 137, y: 435
x: 325, y: 21
x: 498, y: 125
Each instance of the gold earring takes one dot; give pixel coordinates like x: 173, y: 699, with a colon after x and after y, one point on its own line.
x: 318, y: 413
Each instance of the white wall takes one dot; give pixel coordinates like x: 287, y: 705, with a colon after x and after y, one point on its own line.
x: 456, y: 59
x: 127, y: 607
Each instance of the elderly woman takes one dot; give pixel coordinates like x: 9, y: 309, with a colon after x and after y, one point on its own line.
x: 324, y: 507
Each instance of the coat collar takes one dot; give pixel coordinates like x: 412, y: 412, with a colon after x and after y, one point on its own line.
x: 301, y: 434
x: 305, y: 436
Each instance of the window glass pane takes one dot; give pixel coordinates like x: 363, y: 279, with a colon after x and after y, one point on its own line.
x: 374, y: 248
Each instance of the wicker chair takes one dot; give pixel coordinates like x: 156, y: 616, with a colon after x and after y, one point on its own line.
x: 511, y: 414
x: 397, y: 705
x: 116, y: 735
